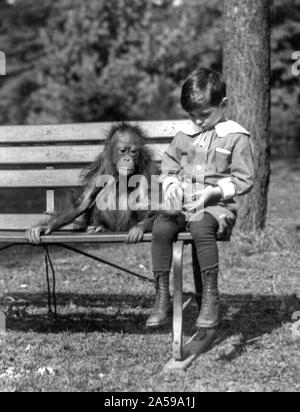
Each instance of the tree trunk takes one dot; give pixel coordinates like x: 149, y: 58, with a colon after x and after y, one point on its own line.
x: 247, y: 73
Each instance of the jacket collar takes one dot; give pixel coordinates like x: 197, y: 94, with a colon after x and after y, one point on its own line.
x: 230, y: 127
x: 222, y: 129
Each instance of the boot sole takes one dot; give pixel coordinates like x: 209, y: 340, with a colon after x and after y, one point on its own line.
x: 206, y: 326
x: 157, y: 325
x: 162, y: 323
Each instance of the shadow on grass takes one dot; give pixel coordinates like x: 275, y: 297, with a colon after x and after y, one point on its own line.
x: 248, y: 316
x: 78, y: 313
x: 253, y: 317
x: 80, y: 323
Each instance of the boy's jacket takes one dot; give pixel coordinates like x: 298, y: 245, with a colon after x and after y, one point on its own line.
x: 221, y: 157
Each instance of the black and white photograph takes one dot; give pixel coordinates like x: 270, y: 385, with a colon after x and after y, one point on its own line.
x: 149, y: 198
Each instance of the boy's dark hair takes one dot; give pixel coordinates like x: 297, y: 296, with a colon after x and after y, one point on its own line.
x: 203, y: 87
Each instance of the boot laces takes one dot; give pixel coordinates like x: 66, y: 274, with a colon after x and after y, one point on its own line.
x: 162, y: 293
x: 210, y: 290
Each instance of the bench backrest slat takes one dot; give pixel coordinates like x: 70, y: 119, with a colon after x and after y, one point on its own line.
x: 61, y: 155
x: 88, y: 132
x: 40, y: 178
x: 23, y: 221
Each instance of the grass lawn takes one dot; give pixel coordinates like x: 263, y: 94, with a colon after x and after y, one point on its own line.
x: 100, y: 342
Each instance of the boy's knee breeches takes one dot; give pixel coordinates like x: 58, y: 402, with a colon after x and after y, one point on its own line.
x: 166, y: 230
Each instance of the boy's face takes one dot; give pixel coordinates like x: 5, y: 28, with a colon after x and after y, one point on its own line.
x: 206, y: 117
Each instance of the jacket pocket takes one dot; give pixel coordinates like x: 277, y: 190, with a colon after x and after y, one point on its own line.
x: 223, y: 160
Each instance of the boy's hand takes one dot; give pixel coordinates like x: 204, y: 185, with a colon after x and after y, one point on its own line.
x: 173, y: 197
x: 211, y: 195
x: 225, y: 228
x: 174, y: 192
x: 208, y: 196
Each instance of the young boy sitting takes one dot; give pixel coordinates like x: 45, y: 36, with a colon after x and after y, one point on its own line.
x: 217, y: 158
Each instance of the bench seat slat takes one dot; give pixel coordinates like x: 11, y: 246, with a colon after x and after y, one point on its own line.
x: 55, y: 155
x: 77, y: 237
x: 82, y: 132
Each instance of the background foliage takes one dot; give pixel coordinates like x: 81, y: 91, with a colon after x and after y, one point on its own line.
x: 74, y: 61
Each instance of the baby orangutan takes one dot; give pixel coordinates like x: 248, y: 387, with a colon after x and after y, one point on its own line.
x: 125, y: 155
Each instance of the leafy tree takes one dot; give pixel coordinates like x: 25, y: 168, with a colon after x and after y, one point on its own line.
x: 122, y: 59
x: 110, y: 59
x: 285, y: 85
x: 20, y: 23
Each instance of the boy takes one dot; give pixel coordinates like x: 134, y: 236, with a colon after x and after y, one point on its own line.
x: 218, y: 160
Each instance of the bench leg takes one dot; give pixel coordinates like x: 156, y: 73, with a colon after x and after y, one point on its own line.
x: 178, y: 304
x: 200, y: 342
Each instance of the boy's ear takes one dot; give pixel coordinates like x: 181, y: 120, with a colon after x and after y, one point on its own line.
x: 224, y: 102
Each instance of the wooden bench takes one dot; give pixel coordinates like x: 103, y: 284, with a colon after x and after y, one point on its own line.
x: 51, y: 157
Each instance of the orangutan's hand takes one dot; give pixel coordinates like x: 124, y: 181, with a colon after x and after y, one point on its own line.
x: 95, y: 229
x: 136, y: 234
x: 34, y: 235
